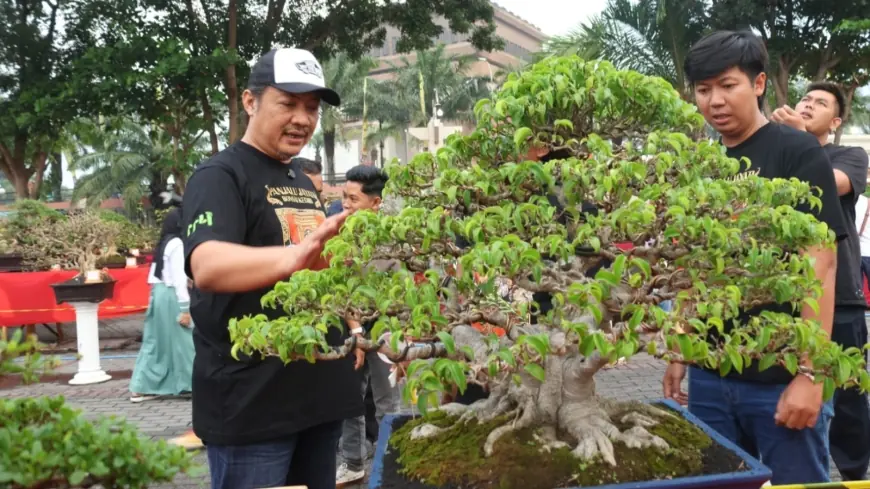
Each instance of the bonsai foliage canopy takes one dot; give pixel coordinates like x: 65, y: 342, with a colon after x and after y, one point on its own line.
x: 480, y: 211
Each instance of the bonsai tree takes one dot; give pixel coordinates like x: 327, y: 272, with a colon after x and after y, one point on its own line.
x: 130, y: 235
x: 27, y: 214
x: 670, y: 223
x: 76, y: 242
x: 45, y: 443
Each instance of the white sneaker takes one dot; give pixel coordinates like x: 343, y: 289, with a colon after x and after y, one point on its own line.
x: 345, y: 476
x: 137, y: 398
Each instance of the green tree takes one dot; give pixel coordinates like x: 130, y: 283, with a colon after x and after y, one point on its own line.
x: 346, y: 77
x: 630, y: 146
x: 122, y: 156
x: 442, y: 73
x: 652, y: 37
x: 326, y: 28
x: 800, y: 35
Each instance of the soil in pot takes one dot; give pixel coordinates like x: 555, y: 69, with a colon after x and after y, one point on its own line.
x: 454, y: 458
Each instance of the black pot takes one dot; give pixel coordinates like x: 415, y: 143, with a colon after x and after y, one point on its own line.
x: 76, y: 290
x: 11, y: 262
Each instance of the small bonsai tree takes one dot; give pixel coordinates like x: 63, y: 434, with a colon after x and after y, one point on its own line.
x: 45, y: 443
x: 76, y: 242
x: 479, y: 212
x: 130, y: 235
x: 27, y: 214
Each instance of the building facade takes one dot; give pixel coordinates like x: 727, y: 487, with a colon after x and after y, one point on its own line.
x: 521, y: 41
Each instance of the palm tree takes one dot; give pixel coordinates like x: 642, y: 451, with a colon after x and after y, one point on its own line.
x: 345, y: 77
x: 457, y: 92
x: 652, y: 37
x: 122, y: 156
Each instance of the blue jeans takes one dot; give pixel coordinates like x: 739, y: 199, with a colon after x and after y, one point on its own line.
x: 743, y: 412
x: 306, y: 458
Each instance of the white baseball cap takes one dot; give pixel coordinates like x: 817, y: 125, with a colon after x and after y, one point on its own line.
x: 293, y: 71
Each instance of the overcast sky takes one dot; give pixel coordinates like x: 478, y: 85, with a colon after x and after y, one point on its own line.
x: 554, y: 17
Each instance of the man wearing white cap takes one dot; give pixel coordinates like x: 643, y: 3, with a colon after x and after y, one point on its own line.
x: 252, y: 218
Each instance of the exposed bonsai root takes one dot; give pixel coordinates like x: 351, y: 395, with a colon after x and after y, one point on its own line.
x: 548, y: 439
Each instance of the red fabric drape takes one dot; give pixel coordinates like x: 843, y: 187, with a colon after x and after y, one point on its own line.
x: 27, y: 297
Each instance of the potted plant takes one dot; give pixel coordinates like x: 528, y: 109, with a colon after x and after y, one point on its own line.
x: 15, y: 231
x: 78, y: 242
x: 9, y: 260
x: 45, y: 443
x: 669, y: 223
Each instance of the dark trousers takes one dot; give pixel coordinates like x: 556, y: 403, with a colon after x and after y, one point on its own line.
x: 850, y: 428
x: 306, y: 458
x: 865, y: 269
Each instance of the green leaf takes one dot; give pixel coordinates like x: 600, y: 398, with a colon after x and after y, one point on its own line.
x: 447, y: 340
x: 844, y: 371
x: 521, y: 135
x: 535, y: 371
x: 766, y: 361
x: 686, y: 348
x: 791, y: 363
x: 828, y: 389
x: 77, y: 477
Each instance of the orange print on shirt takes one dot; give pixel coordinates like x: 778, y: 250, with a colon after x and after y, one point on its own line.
x: 296, y: 224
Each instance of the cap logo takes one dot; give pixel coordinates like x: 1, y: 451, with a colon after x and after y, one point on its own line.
x: 310, y: 68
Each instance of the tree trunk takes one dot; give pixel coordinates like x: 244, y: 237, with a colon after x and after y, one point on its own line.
x: 56, y: 177
x: 381, y: 147
x: 565, y: 402
x: 329, y: 149
x: 273, y: 17
x: 780, y: 82
x: 232, y: 85
x: 208, y: 115
x: 847, y: 111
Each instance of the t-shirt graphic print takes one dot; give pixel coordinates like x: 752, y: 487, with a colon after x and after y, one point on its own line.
x: 296, y: 222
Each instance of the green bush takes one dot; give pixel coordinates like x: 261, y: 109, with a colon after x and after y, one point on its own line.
x: 45, y: 443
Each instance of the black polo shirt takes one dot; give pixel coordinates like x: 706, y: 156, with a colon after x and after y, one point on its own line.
x: 243, y: 196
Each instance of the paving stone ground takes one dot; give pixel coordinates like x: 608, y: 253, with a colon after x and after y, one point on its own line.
x: 640, y: 379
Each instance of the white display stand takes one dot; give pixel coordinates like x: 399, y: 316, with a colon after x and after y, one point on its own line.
x: 88, y: 338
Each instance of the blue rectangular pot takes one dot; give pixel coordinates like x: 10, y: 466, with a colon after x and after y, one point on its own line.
x: 753, y: 478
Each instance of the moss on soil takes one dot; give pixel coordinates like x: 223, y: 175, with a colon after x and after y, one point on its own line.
x: 455, y: 457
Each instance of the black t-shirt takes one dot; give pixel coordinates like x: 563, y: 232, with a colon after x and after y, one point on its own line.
x: 241, y: 195
x: 778, y: 151
x: 853, y: 163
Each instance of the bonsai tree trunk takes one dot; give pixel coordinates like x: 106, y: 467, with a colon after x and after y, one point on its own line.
x: 564, y: 403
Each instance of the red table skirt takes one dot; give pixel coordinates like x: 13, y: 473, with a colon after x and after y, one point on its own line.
x: 27, y: 297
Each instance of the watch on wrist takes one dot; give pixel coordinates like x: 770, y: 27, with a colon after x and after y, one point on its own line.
x: 356, y: 331
x: 808, y: 375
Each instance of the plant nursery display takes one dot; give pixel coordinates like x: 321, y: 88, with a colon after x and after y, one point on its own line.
x: 594, y: 190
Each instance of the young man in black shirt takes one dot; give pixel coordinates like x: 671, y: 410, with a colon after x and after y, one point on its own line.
x: 251, y: 219
x: 773, y: 415
x: 820, y: 113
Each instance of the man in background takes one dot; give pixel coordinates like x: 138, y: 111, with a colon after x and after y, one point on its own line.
x: 772, y: 414
x: 364, y: 191
x: 314, y: 171
x: 820, y: 113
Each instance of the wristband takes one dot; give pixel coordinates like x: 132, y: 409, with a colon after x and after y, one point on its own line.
x: 356, y: 331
